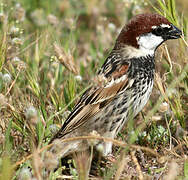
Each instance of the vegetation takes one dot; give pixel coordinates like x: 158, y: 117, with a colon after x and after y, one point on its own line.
x: 49, y: 54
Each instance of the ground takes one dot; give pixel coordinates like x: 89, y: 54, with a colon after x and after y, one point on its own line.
x: 49, y: 54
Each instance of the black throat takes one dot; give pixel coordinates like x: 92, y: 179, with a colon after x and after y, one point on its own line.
x: 142, y: 65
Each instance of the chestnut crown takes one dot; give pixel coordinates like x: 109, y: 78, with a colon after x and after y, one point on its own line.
x: 151, y: 25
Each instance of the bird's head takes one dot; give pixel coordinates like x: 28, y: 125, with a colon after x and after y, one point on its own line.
x: 146, y: 32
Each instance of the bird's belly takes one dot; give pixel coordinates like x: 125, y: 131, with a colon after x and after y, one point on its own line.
x: 126, y: 106
x: 142, y: 98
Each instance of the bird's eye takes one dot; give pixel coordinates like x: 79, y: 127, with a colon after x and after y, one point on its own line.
x: 158, y: 31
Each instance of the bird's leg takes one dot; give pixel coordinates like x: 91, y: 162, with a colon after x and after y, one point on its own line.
x: 107, y: 148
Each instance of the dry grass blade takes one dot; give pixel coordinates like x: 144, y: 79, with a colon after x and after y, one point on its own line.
x: 185, y: 42
x: 12, y: 83
x: 173, y: 171
x: 37, y: 164
x: 66, y: 59
x: 138, y: 168
x: 160, y: 86
x: 121, y: 165
x: 83, y: 164
x: 65, y: 177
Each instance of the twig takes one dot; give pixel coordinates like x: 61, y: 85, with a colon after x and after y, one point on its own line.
x: 13, y: 83
x: 167, y: 124
x: 65, y: 177
x: 138, y: 168
x: 182, y: 37
x: 121, y: 165
x: 169, y: 61
x: 115, y: 142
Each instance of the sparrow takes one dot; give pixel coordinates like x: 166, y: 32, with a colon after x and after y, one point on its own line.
x: 124, y: 85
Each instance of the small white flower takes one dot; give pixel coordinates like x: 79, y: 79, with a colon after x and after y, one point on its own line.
x: 78, y: 77
x: 53, y: 128
x: 171, y: 92
x: 32, y: 116
x: 21, y: 31
x: 70, y: 22
x: 19, y: 13
x: 14, y: 30
x: 100, y: 29
x: 17, y: 41
x: 31, y: 112
x: 112, y: 26
x: 137, y: 9
x: 164, y: 107
x: 53, y: 19
x: 16, y: 59
x: 144, y: 133
x: 100, y: 148
x: 54, y: 64
x: 39, y: 18
x: 18, y: 5
x: 7, y: 78
x: 74, y: 171
x: 65, y: 114
x: 25, y: 174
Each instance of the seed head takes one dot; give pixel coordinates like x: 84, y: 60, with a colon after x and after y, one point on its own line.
x: 2, y: 17
x: 53, y: 128
x: 3, y: 100
x: 50, y: 161
x: 164, y: 107
x: 25, y: 174
x: 14, y: 30
x: 31, y: 115
x: 78, y: 77
x: 17, y: 41
x: 100, y: 148
x: 112, y: 27
x: 16, y: 59
x: 19, y: 13
x: 7, y: 78
x: 53, y: 19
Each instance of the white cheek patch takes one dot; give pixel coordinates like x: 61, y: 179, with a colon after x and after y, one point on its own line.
x: 149, y: 42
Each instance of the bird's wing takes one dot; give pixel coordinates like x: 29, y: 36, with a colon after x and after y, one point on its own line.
x: 95, y: 99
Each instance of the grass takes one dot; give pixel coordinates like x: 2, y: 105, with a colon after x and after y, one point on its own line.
x: 49, y: 54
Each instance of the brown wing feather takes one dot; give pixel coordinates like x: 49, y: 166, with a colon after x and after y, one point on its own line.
x: 87, y: 112
x: 109, y: 92
x: 90, y: 103
x: 90, y: 110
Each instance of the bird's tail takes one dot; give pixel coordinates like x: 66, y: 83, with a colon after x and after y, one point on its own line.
x: 62, y: 149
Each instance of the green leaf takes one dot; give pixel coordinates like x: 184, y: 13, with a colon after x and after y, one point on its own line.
x: 40, y: 129
x: 8, y: 137
x: 6, y: 169
x: 186, y: 169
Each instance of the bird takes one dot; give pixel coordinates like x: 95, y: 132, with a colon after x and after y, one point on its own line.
x: 123, y: 86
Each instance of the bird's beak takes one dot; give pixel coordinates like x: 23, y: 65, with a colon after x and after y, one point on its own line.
x: 174, y: 33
